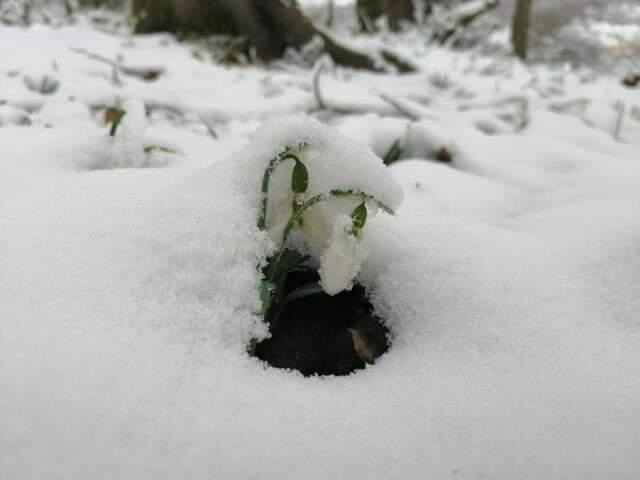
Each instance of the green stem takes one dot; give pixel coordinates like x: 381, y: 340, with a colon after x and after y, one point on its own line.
x: 116, y: 123
x: 275, y: 161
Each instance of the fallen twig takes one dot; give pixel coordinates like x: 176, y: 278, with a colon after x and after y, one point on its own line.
x: 465, y: 16
x: 145, y: 73
x: 345, y: 108
x: 316, y: 86
x: 394, y: 59
x: 405, y: 107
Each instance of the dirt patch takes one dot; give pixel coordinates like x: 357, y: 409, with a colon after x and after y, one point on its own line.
x: 319, y: 334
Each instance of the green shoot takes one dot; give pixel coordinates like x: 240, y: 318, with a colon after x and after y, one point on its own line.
x: 116, y: 123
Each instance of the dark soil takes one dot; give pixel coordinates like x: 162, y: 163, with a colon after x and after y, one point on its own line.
x: 323, y: 334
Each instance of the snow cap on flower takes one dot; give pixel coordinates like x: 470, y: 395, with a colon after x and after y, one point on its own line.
x: 343, y: 258
x: 333, y: 162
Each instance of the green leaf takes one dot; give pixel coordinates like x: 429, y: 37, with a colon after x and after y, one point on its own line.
x: 116, y: 122
x: 394, y: 154
x: 359, y: 216
x: 275, y: 276
x: 251, y: 348
x: 308, y: 290
x: 299, y: 178
x: 277, y: 266
x: 291, y: 259
x: 151, y: 148
x: 266, y: 295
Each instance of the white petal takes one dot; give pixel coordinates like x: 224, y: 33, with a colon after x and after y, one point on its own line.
x: 319, y: 221
x: 343, y: 258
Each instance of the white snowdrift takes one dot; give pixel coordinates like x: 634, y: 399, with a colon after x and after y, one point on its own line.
x: 127, y: 296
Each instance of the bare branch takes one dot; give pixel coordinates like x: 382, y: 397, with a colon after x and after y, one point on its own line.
x: 316, y: 85
x: 465, y: 16
x: 345, y: 108
x: 144, y: 73
x: 406, y: 108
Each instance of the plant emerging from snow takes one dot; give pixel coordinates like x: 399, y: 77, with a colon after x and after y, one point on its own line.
x: 337, y: 234
x: 126, y: 135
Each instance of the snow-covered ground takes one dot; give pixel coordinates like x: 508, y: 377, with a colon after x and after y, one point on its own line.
x: 510, y: 279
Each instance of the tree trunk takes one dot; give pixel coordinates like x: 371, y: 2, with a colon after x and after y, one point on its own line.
x: 520, y: 28
x: 270, y: 27
x: 396, y: 12
x: 331, y: 10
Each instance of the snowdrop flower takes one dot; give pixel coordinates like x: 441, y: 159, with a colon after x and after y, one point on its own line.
x: 319, y: 213
x: 280, y: 210
x: 343, y: 258
x: 127, y: 144
x: 286, y: 184
x: 121, y: 147
x: 319, y: 222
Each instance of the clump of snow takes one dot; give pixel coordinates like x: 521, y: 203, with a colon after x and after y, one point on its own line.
x: 61, y: 112
x: 426, y: 138
x: 371, y: 129
x: 10, y: 115
x: 333, y: 161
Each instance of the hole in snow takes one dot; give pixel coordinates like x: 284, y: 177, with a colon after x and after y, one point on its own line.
x: 322, y: 334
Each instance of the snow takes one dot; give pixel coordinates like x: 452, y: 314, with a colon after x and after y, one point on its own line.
x: 333, y: 161
x: 508, y: 278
